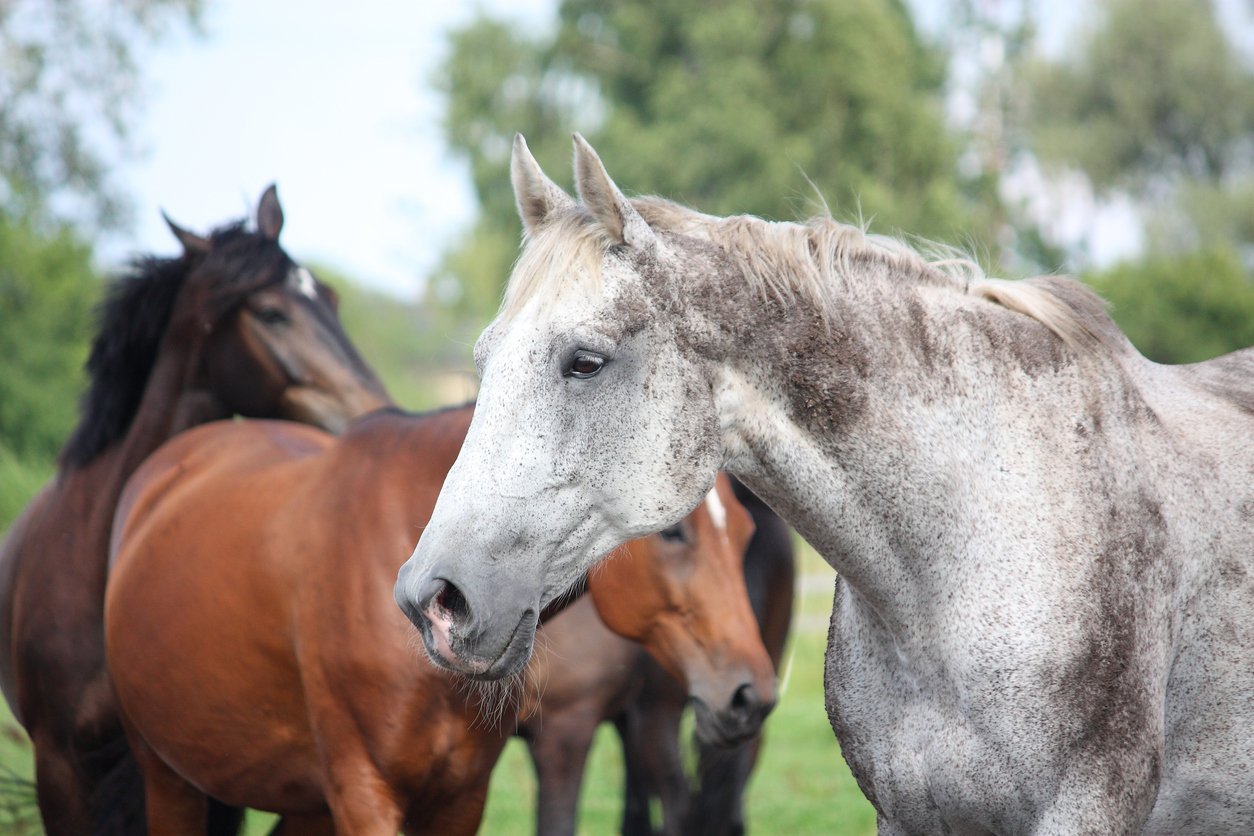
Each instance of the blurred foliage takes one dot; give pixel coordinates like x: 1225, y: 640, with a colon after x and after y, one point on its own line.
x: 731, y: 112
x: 47, y: 289
x: 69, y: 84
x: 1156, y: 102
x: 1206, y: 215
x: 1182, y: 308
x: 1154, y: 91
x: 397, y: 339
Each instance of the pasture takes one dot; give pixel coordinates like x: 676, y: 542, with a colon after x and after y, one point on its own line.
x: 801, y: 784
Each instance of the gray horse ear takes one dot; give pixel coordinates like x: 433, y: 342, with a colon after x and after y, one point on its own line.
x: 537, y: 196
x: 606, y: 202
x: 270, y: 213
x: 192, y: 243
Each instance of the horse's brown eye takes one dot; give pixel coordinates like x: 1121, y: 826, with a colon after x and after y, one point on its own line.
x: 272, y: 316
x: 674, y: 534
x: 585, y: 364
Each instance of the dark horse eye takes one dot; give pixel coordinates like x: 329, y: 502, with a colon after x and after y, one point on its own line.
x: 272, y: 316
x: 674, y: 534
x: 585, y: 364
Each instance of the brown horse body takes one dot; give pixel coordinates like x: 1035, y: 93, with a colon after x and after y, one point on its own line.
x: 259, y: 657
x: 232, y: 326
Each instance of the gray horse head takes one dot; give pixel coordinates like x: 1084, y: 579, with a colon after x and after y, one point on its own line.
x: 593, y: 426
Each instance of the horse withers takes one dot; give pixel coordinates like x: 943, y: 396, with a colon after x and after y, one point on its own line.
x: 258, y: 656
x: 1041, y: 622
x: 233, y: 325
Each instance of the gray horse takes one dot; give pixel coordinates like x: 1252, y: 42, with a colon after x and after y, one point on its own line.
x: 1044, y: 621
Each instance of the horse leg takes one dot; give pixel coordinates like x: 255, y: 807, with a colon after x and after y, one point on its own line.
x: 654, y: 769
x: 457, y: 815
x: 174, y: 806
x: 718, y: 807
x: 361, y: 802
x: 63, y: 796
x: 317, y: 825
x: 559, y: 753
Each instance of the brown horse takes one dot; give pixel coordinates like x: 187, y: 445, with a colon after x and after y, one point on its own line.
x: 231, y: 326
x: 259, y: 658
x: 617, y: 681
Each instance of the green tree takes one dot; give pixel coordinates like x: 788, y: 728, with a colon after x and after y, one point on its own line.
x: 729, y: 108
x: 1154, y: 92
x: 1183, y: 308
x: 69, y: 84
x: 47, y: 290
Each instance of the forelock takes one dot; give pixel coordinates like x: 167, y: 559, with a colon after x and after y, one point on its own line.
x: 564, y: 254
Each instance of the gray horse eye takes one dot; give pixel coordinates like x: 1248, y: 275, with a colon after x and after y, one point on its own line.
x: 584, y: 364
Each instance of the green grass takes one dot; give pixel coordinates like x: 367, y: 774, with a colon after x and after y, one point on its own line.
x: 801, y: 785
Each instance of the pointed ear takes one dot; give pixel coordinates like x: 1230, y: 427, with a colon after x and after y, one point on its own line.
x: 537, y: 196
x: 192, y: 243
x: 607, y: 204
x: 270, y: 214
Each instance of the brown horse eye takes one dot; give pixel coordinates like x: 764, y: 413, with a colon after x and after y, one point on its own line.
x: 272, y: 316
x: 674, y: 534
x: 584, y: 365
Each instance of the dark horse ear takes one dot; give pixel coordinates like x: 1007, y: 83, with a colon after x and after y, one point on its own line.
x: 270, y: 214
x: 192, y: 243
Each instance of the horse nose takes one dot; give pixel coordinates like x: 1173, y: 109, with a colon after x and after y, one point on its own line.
x: 747, y: 708
x: 443, y: 605
x: 440, y: 598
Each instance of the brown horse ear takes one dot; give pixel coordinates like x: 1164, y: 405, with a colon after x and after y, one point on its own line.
x: 606, y: 203
x: 270, y: 214
x: 192, y: 243
x: 537, y: 196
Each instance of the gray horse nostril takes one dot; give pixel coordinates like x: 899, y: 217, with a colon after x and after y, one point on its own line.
x: 441, y: 593
x: 452, y: 600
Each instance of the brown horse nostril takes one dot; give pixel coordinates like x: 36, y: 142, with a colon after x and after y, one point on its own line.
x: 745, y: 702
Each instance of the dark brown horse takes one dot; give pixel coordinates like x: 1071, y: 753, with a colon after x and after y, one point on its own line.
x: 259, y: 658
x: 231, y: 326
x: 617, y: 681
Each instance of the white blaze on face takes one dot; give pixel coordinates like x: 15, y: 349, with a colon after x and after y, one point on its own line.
x: 303, y: 281
x: 718, y: 513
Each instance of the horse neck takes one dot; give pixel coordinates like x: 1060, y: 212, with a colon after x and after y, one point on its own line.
x: 885, y: 437
x: 172, y: 402
x: 403, y: 458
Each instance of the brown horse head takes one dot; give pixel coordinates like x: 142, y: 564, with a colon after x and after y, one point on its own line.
x: 681, y: 593
x: 243, y: 323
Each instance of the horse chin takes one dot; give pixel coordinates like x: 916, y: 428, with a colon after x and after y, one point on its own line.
x: 715, y: 728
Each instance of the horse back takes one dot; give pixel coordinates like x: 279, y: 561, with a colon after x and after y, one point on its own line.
x: 218, y: 450
x: 1229, y: 378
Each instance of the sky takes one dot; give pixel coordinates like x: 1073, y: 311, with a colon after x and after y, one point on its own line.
x: 333, y: 101
x: 330, y: 100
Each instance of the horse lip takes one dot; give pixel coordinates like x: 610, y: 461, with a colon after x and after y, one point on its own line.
x: 509, y: 661
x: 716, y: 730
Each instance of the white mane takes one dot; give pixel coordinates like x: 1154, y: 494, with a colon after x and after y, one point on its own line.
x: 807, y: 261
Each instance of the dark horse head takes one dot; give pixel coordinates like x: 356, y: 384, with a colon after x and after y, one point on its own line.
x: 256, y: 333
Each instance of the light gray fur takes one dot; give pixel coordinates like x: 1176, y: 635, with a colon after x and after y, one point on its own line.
x: 1044, y: 621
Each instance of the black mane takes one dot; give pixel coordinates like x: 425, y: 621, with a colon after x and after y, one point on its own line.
x: 134, y: 315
